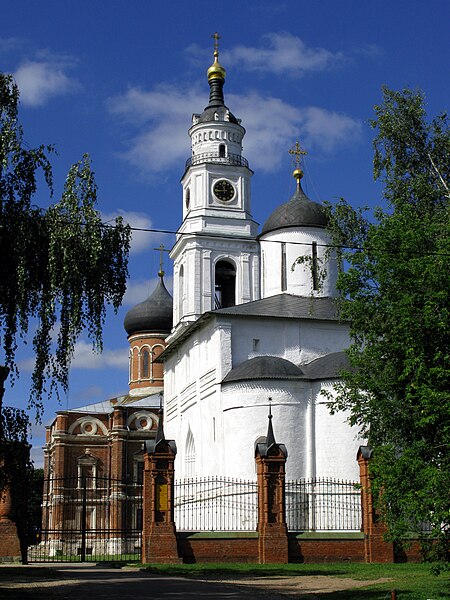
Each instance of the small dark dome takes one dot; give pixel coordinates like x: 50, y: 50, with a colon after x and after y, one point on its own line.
x: 264, y: 367
x: 300, y: 211
x: 154, y: 315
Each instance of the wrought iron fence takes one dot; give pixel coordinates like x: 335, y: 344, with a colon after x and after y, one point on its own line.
x: 323, y: 505
x: 214, y: 157
x: 216, y: 504
x: 89, y: 518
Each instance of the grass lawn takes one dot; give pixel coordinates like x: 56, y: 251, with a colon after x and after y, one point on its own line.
x: 411, y: 581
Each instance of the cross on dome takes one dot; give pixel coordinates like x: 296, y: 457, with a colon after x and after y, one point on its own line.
x: 216, y: 37
x: 161, y: 249
x: 297, y: 152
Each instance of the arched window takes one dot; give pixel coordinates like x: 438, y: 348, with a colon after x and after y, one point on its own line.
x: 145, y: 368
x: 190, y: 456
x: 135, y: 364
x: 222, y: 151
x: 180, y: 292
x: 225, y: 284
x: 188, y: 198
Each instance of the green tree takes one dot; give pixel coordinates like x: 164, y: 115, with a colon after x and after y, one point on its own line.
x: 59, y: 266
x: 395, y: 290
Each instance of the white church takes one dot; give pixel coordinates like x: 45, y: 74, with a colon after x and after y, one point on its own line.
x: 252, y: 326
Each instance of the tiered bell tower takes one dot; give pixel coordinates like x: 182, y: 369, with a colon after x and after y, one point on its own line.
x: 216, y: 255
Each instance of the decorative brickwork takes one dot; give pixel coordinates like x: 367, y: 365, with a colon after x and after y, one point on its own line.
x: 159, y: 542
x: 375, y: 548
x: 9, y: 539
x: 270, y: 468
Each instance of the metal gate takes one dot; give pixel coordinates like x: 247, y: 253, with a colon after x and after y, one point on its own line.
x: 89, y: 519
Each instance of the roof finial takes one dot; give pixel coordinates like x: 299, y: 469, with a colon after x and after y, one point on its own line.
x: 216, y: 37
x: 161, y: 249
x: 297, y: 152
x: 160, y: 431
x: 216, y: 71
x: 270, y: 439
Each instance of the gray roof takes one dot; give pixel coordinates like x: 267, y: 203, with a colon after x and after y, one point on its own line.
x: 107, y: 406
x: 264, y: 367
x: 285, y: 306
x: 154, y: 315
x: 300, y: 211
x: 273, y: 367
x: 327, y: 367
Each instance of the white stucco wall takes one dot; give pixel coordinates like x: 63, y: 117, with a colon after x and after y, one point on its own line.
x: 292, y: 339
x: 298, y: 278
x: 226, y: 420
x: 336, y: 442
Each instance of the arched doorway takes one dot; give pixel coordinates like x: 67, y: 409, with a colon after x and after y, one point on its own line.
x: 225, y: 284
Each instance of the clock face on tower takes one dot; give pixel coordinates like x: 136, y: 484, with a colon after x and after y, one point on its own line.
x: 223, y: 190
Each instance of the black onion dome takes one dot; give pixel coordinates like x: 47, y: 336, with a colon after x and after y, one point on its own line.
x: 300, y: 211
x: 154, y: 315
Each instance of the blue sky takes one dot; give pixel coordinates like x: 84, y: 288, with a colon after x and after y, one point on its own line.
x: 120, y: 80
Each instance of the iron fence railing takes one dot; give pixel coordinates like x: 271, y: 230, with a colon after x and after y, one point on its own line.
x: 323, y: 505
x: 216, y: 504
x: 89, y: 518
x: 226, y: 504
x: 214, y: 157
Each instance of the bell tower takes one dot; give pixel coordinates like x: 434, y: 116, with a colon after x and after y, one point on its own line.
x: 216, y: 254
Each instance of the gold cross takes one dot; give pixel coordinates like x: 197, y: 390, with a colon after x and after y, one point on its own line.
x: 216, y: 37
x: 296, y: 152
x: 161, y: 249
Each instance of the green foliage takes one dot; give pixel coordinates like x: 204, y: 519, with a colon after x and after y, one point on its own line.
x: 395, y: 291
x: 59, y: 267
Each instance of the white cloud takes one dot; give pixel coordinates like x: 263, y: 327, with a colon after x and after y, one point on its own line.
x: 141, y: 240
x: 85, y: 358
x: 9, y: 44
x: 161, y: 117
x: 280, y: 53
x: 161, y: 141
x: 139, y: 290
x: 326, y: 129
x: 43, y: 78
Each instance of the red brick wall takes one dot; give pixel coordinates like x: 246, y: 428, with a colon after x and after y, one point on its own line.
x: 203, y: 548
x: 326, y: 550
x: 219, y: 547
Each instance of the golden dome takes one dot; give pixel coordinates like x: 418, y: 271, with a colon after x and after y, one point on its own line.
x: 216, y: 71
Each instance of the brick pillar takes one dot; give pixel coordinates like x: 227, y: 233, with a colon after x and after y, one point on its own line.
x: 9, y: 539
x: 159, y: 542
x: 375, y: 548
x: 270, y: 468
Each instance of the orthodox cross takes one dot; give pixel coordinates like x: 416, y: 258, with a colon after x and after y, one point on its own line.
x: 296, y: 152
x: 161, y: 249
x: 216, y: 37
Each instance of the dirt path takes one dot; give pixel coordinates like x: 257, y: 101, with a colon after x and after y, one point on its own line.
x: 80, y: 582
x: 304, y: 586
